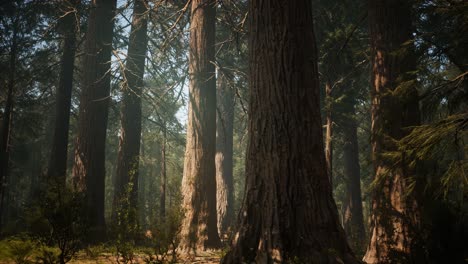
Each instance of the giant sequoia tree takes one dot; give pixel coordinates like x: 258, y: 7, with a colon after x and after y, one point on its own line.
x: 394, y: 110
x: 130, y: 132
x: 199, y: 226
x: 288, y: 212
x: 89, y: 168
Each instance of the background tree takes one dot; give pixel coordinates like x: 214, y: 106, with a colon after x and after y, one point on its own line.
x: 395, y: 211
x: 199, y: 226
x: 224, y: 152
x: 230, y: 60
x: 7, y: 113
x: 25, y: 73
x: 58, y: 156
x: 89, y: 165
x: 131, y: 117
x: 341, y: 36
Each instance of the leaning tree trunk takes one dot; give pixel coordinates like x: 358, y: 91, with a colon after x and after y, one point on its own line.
x: 288, y: 214
x: 394, y: 109
x: 89, y: 166
x: 199, y: 226
x: 353, y: 220
x: 126, y: 188
x: 224, y: 152
x: 58, y: 156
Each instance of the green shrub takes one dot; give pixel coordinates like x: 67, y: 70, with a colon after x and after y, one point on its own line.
x: 18, y: 249
x: 164, y: 240
x: 58, y: 222
x: 49, y: 255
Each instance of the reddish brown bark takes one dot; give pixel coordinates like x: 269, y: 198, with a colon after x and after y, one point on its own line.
x: 288, y: 215
x: 58, y: 156
x: 199, y: 225
x: 395, y: 107
x: 130, y: 132
x: 89, y: 166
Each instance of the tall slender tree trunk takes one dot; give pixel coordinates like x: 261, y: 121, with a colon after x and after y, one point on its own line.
x: 162, y: 195
x: 224, y: 152
x: 156, y: 182
x: 143, y: 185
x: 353, y: 220
x: 288, y: 213
x: 130, y: 132
x: 6, y: 124
x: 58, y: 156
x: 89, y: 166
x: 199, y: 225
x: 395, y: 107
x: 329, y: 131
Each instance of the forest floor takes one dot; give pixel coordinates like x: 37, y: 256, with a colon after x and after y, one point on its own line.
x: 200, y: 258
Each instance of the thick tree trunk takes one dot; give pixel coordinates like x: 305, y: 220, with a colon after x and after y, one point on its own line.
x: 394, y: 107
x: 224, y: 152
x: 6, y: 124
x: 329, y: 132
x: 58, y: 156
x: 353, y: 220
x: 162, y: 195
x: 199, y: 226
x: 89, y: 168
x: 130, y: 132
x: 288, y: 213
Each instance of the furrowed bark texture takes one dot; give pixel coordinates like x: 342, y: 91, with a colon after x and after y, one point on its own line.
x: 130, y: 115
x: 288, y: 213
x: 89, y: 168
x: 224, y: 152
x: 394, y: 107
x: 199, y: 226
x: 353, y: 220
x: 58, y: 157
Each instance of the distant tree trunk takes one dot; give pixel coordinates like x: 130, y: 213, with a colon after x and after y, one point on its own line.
x: 288, y: 215
x: 329, y: 132
x: 162, y: 195
x: 58, y: 156
x: 156, y: 183
x: 130, y: 132
x: 199, y: 226
x: 395, y: 107
x: 353, y: 220
x: 224, y: 152
x: 6, y: 123
x: 89, y: 166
